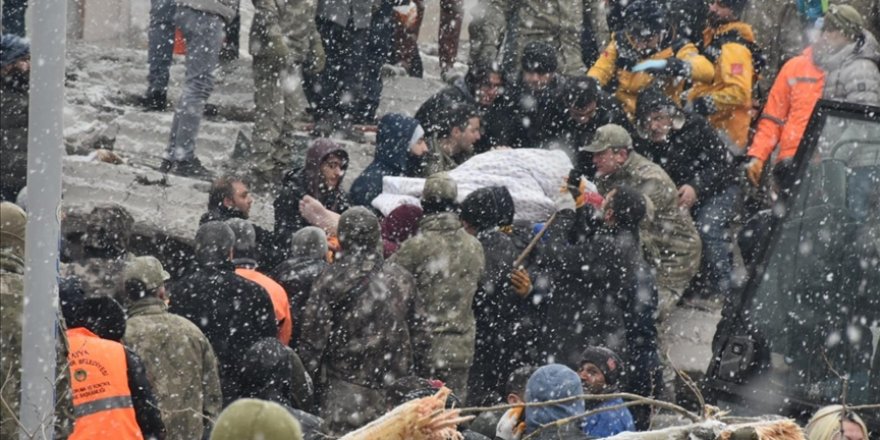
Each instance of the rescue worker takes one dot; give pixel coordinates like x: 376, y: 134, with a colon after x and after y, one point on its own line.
x: 112, y: 397
x: 649, y: 51
x: 12, y: 233
x: 454, y: 141
x: 104, y: 251
x: 727, y: 101
x: 284, y: 41
x: 668, y: 232
x: 841, y: 66
x: 358, y: 325
x: 246, y: 267
x: 176, y: 354
x: 445, y: 350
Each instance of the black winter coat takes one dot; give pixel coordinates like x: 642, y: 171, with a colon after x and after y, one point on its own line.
x: 231, y: 311
x: 297, y: 275
x: 531, y: 116
x: 694, y: 155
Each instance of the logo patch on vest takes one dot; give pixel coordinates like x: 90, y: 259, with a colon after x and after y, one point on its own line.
x: 80, y: 375
x: 736, y: 69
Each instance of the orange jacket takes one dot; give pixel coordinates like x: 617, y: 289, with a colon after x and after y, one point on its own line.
x: 101, y: 395
x: 280, y: 302
x: 731, y: 90
x: 794, y: 94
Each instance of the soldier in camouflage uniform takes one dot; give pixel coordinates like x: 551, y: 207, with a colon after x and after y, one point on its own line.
x: 668, y: 232
x: 561, y: 23
x: 105, y: 252
x: 12, y: 227
x: 284, y: 40
x: 447, y: 263
x: 358, y: 325
x: 177, y: 356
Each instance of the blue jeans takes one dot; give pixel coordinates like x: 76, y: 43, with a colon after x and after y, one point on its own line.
x: 161, y: 44
x: 713, y: 217
x: 204, y: 36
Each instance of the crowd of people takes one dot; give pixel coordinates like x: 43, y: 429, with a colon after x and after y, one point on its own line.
x: 339, y: 313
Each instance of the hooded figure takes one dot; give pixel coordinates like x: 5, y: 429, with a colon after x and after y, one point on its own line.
x: 396, y: 140
x: 319, y: 178
x: 600, y: 371
x: 308, y: 258
x: 554, y: 382
x: 357, y: 325
x: 498, y: 310
x: 275, y: 373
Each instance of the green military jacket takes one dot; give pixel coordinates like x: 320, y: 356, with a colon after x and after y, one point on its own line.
x: 438, y: 161
x: 557, y: 22
x: 11, y: 310
x: 668, y: 233
x: 180, y: 365
x: 447, y: 264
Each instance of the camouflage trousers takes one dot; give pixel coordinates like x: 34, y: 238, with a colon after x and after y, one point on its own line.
x: 279, y: 100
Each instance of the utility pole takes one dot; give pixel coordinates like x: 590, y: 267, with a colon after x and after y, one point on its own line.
x: 45, y: 150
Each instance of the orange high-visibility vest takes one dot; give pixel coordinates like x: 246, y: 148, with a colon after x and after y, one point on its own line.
x: 280, y: 302
x: 101, y: 395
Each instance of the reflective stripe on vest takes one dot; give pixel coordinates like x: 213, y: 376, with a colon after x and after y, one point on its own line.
x: 101, y: 395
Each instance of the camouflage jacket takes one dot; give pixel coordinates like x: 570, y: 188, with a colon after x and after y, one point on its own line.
x: 180, y: 365
x: 557, y: 22
x: 668, y: 233
x: 437, y: 161
x: 291, y: 20
x: 358, y: 322
x: 447, y: 264
x: 11, y: 310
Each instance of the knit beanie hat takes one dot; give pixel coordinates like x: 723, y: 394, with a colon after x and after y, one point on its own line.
x: 737, y: 5
x: 846, y: 19
x: 607, y: 361
x: 552, y: 382
x: 253, y: 419
x: 539, y: 57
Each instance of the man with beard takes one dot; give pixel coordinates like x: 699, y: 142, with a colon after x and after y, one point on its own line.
x: 840, y: 66
x: 229, y: 198
x: 454, y: 142
x: 727, y: 101
x: 530, y: 113
x: 400, y: 151
x: 482, y: 87
x: 15, y: 69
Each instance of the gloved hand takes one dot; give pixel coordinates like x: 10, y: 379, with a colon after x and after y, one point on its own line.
x: 667, y: 67
x: 521, y: 282
x: 703, y: 105
x: 510, y: 427
x: 564, y: 201
x: 754, y: 169
x: 276, y: 48
x: 317, y: 58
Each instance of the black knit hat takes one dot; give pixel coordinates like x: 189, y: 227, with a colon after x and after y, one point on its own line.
x: 539, y: 57
x: 488, y: 207
x: 652, y: 99
x: 737, y: 5
x: 607, y: 361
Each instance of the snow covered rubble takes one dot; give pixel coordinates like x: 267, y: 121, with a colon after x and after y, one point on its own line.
x: 101, y: 87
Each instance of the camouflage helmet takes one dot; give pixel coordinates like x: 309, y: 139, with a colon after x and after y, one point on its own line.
x: 108, y: 228
x: 12, y: 225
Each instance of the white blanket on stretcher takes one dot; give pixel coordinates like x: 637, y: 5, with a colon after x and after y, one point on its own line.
x: 533, y: 177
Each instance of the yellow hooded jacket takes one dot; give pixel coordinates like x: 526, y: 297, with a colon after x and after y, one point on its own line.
x: 629, y: 84
x: 730, y: 93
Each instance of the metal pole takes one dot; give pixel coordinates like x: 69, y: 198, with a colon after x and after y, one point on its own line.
x: 45, y: 150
